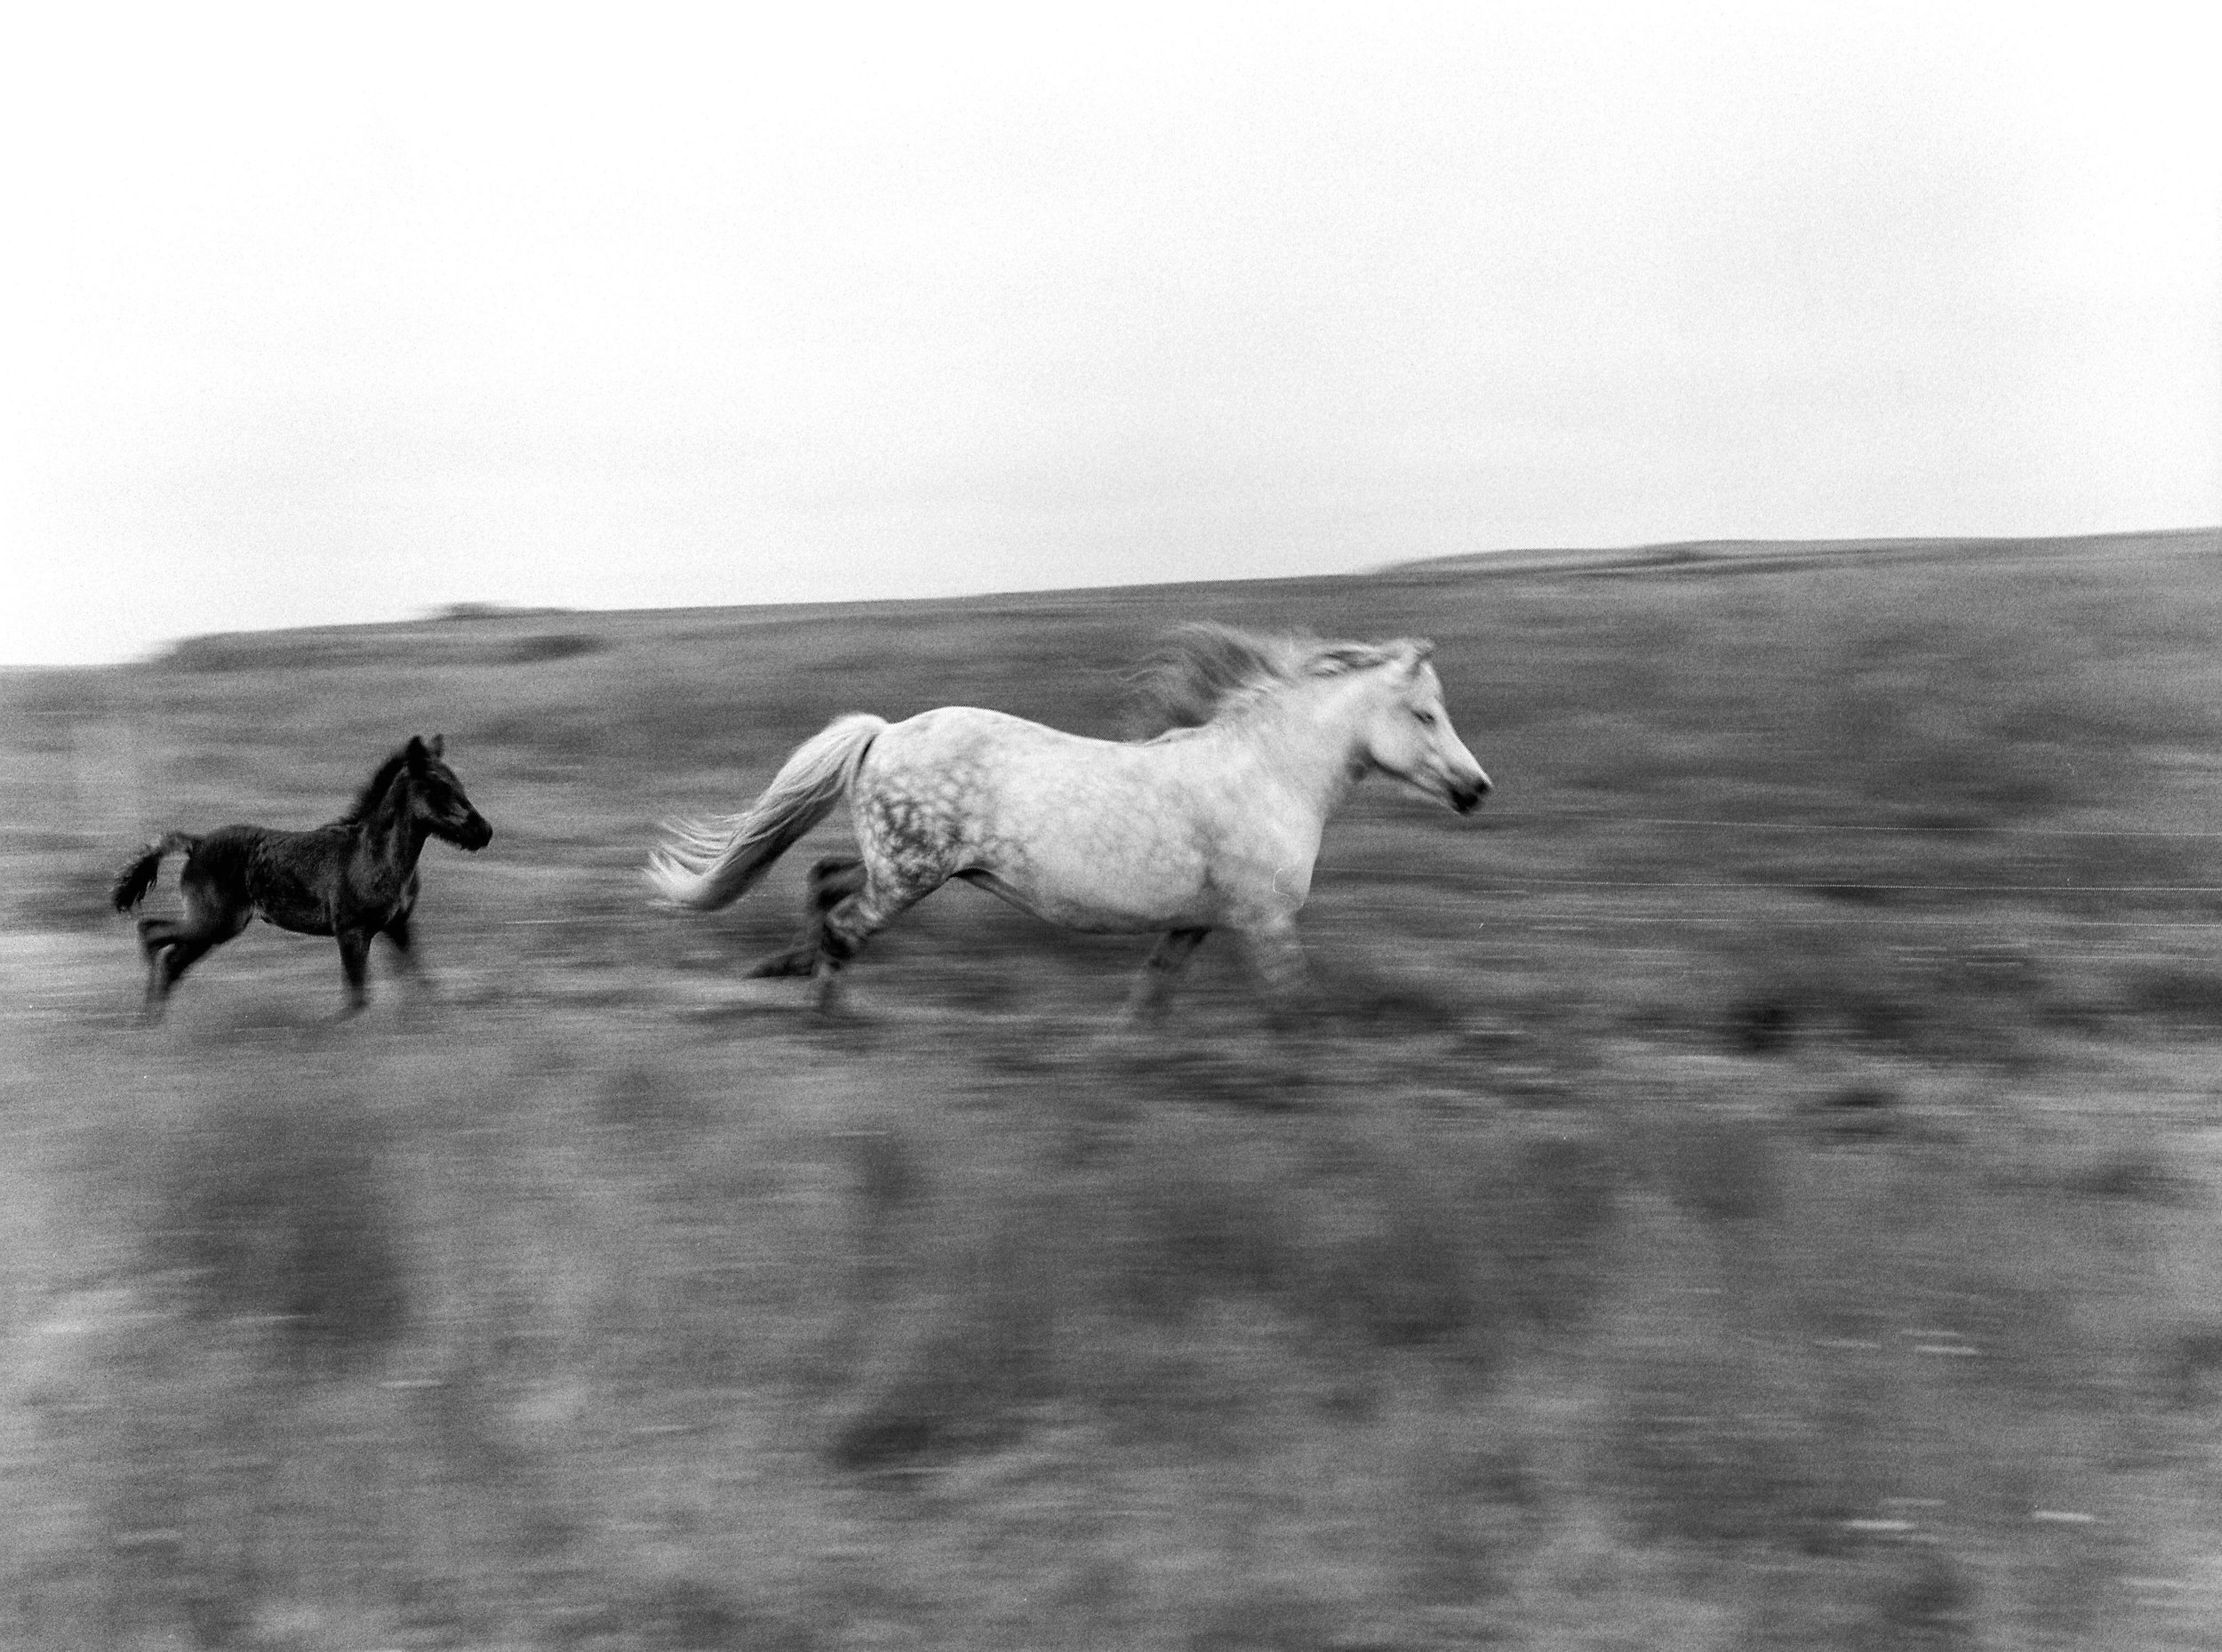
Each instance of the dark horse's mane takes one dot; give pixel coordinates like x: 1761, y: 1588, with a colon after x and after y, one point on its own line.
x: 374, y: 789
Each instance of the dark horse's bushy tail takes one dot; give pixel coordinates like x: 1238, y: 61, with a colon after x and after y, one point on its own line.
x: 139, y: 877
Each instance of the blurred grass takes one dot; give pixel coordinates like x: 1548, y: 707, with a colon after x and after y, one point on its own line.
x: 1665, y: 1234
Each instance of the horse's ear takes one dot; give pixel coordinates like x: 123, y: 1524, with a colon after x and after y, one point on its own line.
x: 415, y: 753
x: 438, y: 745
x: 1420, y: 646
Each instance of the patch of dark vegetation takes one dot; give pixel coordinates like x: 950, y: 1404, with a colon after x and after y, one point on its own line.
x: 965, y: 1356
x: 1765, y: 1025
x: 1855, y: 1099
x: 1481, y: 1506
x: 1928, y: 1598
x: 436, y: 1608
x: 679, y: 1614
x: 1950, y: 999
x: 1361, y: 1003
x: 230, y: 652
x: 1255, y: 1075
x: 1853, y: 894
x: 1405, y: 1270
x: 2141, y: 1174
x: 1195, y: 1231
x: 284, y: 1221
x: 1276, y: 1623
x: 2187, y: 994
x: 552, y: 645
x: 1879, y: 1596
x: 652, y: 1100
x: 1856, y: 1112
x: 1134, y: 1290
x: 493, y: 611
x: 886, y: 1171
x: 1541, y: 1220
x: 2180, y: 998
x: 2190, y: 1367
x: 1722, y: 1168
x: 1697, y: 1468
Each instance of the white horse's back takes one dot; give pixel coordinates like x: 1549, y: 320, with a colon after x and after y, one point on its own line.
x: 1094, y: 834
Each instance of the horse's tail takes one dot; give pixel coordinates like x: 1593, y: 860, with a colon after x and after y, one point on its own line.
x: 707, y: 864
x: 139, y: 877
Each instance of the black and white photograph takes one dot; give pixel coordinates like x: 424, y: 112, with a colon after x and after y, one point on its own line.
x: 1239, y: 827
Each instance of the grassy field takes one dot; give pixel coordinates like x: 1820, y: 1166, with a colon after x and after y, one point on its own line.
x: 1753, y: 1186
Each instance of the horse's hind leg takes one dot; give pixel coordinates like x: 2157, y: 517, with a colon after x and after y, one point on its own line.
x: 172, y: 946
x: 157, y: 938
x: 855, y: 919
x: 832, y: 881
x: 155, y: 934
x: 1160, y: 970
x: 170, y: 956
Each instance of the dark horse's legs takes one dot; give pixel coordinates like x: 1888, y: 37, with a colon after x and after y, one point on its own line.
x: 172, y: 946
x: 396, y: 931
x: 355, y: 955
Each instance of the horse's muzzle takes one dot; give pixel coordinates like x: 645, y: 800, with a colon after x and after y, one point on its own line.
x: 476, y: 836
x: 1466, y: 799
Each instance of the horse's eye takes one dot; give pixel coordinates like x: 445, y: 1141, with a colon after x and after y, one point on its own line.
x: 1426, y: 719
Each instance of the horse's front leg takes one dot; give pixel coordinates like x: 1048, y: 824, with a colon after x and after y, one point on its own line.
x: 406, y: 955
x: 1160, y: 970
x: 1278, y: 958
x: 354, y: 956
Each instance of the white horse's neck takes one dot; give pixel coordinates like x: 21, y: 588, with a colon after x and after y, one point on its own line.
x: 1310, y: 737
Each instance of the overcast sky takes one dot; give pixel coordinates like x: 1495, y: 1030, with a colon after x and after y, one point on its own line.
x: 341, y: 312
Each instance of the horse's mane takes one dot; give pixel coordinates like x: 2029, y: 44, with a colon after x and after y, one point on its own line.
x: 1205, y: 671
x: 374, y: 789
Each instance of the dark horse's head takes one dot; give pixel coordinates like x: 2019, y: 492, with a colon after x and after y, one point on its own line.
x: 435, y: 796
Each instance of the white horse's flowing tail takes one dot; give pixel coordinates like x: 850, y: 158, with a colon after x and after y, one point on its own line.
x: 708, y: 863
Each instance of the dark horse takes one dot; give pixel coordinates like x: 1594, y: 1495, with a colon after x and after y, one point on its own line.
x: 353, y: 879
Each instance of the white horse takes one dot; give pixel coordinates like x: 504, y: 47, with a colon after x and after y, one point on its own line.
x: 1209, y: 827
